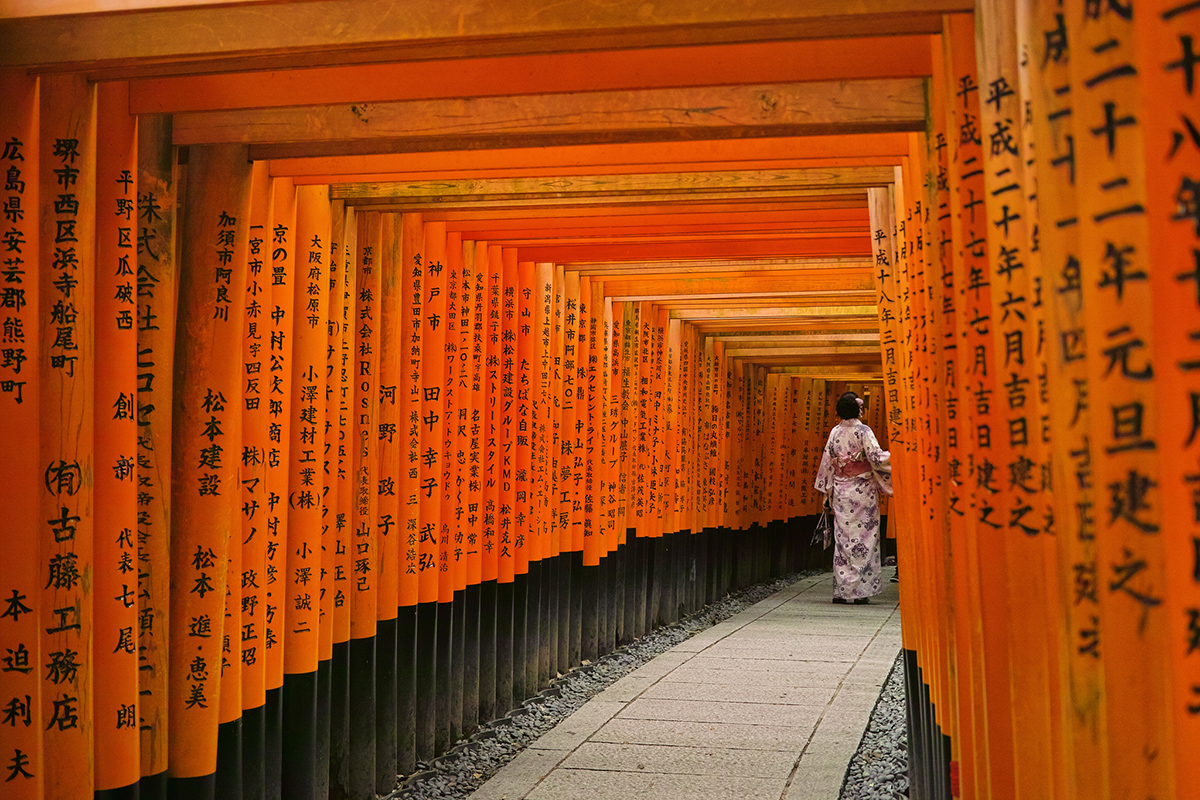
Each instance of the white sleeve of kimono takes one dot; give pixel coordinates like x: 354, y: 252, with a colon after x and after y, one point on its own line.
x: 824, y: 483
x: 879, y: 459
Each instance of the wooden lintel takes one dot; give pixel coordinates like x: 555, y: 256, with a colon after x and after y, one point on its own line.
x: 226, y: 38
x: 804, y: 352
x: 690, y: 184
x: 646, y: 115
x: 672, y: 269
x: 778, y: 311
x: 745, y: 283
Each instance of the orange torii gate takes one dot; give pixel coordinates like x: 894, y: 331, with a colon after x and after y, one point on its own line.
x: 352, y: 393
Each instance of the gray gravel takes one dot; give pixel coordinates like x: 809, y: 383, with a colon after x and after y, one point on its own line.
x: 473, y: 761
x: 879, y: 770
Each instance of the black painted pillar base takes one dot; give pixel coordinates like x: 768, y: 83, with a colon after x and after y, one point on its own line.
x: 253, y: 744
x: 425, y: 663
x: 324, y: 727
x: 458, y: 657
x: 487, y: 650
x: 471, y: 629
x: 362, y: 718
x: 153, y: 787
x: 229, y: 760
x: 575, y: 645
x: 504, y: 648
x: 520, y: 622
x: 299, y: 774
x: 550, y: 617
x: 533, y: 602
x: 564, y: 611
x: 339, y: 734
x: 273, y: 736
x: 386, y: 744
x: 594, y: 605
x: 130, y: 792
x: 545, y: 623
x: 445, y: 630
x: 406, y: 690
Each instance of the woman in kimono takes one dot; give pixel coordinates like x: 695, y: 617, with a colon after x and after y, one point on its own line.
x: 854, y: 469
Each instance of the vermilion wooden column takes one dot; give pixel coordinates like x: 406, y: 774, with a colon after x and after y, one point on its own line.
x: 391, y: 347
x: 116, y: 606
x: 305, y: 407
x: 339, y: 556
x: 156, y: 291
x: 1118, y: 312
x: 66, y: 274
x: 20, y: 408
x: 408, y: 391
x: 249, y: 589
x: 363, y: 539
x: 207, y: 437
x: 1165, y: 35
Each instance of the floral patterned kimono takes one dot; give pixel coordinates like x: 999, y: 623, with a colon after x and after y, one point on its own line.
x: 854, y: 469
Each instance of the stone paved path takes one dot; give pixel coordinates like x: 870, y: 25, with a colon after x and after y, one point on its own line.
x: 770, y: 703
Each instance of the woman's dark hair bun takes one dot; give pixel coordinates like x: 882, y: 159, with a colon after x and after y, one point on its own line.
x: 847, y: 406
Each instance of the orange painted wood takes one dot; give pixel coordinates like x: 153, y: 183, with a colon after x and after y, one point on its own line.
x: 333, y: 523
x: 156, y: 290
x: 566, y: 483
x: 347, y: 372
x: 491, y: 426
x: 433, y: 416
x: 471, y: 347
x: 1164, y: 32
x: 280, y: 245
x: 306, y: 409
x: 454, y: 578
x: 466, y: 532
x: 256, y: 505
x: 392, y: 347
x: 20, y: 410
x: 544, y: 366
x: 412, y: 243
x: 509, y: 538
x: 117, y: 728
x: 1118, y: 312
x: 479, y: 414
x: 205, y: 495
x: 364, y: 543
x: 758, y: 62
x: 526, y: 409
x: 66, y: 273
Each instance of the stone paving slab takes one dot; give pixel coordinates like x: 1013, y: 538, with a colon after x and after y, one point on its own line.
x: 715, y: 711
x: 585, y: 784
x: 770, y: 703
x: 667, y: 760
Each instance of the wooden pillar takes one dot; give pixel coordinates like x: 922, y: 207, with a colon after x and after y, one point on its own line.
x: 21, y: 471
x: 363, y: 539
x: 115, y: 710
x: 207, y: 436
x: 1118, y: 310
x: 1165, y: 35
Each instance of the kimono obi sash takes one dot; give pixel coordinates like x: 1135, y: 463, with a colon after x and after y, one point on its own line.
x: 851, y: 467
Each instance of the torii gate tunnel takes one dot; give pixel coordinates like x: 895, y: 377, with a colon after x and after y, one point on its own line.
x: 365, y: 365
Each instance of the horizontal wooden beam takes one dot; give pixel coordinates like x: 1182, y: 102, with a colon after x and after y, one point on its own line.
x: 647, y: 115
x: 742, y: 282
x: 792, y: 339
x: 582, y: 254
x: 710, y: 65
x: 781, y: 353
x: 328, y: 32
x: 777, y: 311
x: 770, y: 299
x: 693, y: 185
x: 723, y: 154
x: 671, y: 269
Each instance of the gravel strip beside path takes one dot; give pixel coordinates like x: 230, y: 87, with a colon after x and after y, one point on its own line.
x: 879, y: 770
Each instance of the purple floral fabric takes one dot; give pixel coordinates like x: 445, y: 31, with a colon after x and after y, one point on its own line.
x: 857, y: 565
